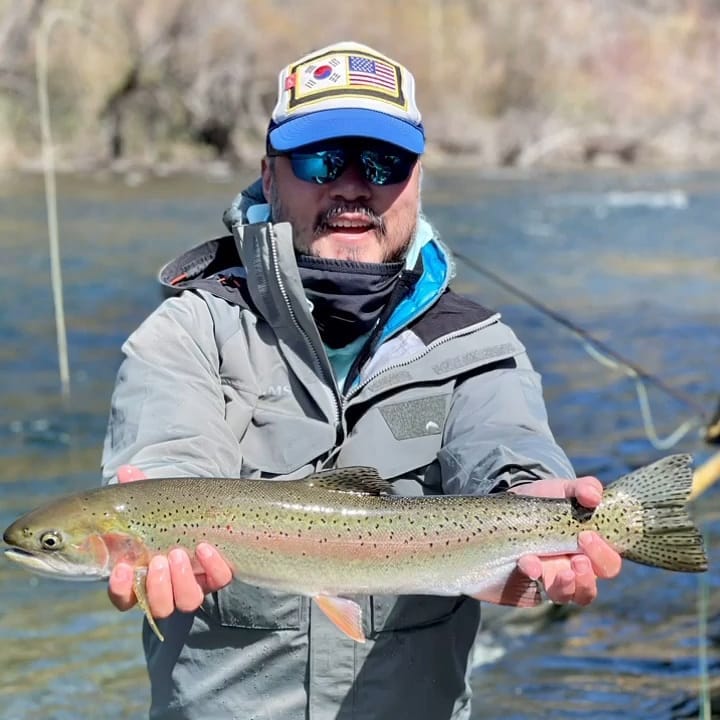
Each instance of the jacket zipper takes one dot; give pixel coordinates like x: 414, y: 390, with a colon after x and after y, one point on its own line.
x: 402, y: 363
x: 316, y: 356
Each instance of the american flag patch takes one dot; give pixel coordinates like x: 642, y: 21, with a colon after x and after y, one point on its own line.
x: 369, y: 72
x: 341, y: 76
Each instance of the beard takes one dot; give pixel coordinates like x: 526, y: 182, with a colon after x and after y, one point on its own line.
x: 305, y: 234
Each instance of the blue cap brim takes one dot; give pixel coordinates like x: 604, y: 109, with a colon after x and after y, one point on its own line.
x: 346, y: 122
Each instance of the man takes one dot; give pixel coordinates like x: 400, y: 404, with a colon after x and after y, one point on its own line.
x: 322, y: 334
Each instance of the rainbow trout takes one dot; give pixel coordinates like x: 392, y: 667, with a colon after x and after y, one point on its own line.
x: 340, y: 532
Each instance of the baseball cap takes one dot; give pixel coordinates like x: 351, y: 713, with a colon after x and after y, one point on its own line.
x: 343, y: 90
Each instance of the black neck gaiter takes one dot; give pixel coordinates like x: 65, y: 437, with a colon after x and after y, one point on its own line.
x: 347, y: 296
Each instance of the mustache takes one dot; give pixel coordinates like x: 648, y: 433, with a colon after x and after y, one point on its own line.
x: 324, y: 220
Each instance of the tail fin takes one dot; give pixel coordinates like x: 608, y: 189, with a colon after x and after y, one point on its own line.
x: 669, y: 538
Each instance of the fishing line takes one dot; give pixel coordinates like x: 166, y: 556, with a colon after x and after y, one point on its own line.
x: 605, y: 355
x: 644, y: 402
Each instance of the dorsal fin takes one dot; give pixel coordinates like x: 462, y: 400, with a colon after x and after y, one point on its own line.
x: 359, y: 479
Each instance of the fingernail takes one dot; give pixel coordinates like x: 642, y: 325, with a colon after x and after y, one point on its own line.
x: 586, y: 538
x: 177, y: 557
x: 531, y: 568
x: 204, y: 551
x: 580, y: 564
x: 595, y: 496
x: 159, y: 564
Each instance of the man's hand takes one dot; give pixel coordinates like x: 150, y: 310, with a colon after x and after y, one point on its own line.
x: 171, y: 582
x: 572, y: 578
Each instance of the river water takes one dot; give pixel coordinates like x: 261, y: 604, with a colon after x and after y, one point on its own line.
x: 632, y: 258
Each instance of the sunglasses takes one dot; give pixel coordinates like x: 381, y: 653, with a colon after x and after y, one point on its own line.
x: 379, y: 163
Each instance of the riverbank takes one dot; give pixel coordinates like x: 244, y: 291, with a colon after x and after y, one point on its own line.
x: 569, y: 150
x: 165, y: 84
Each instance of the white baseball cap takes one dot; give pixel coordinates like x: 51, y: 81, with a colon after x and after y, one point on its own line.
x: 346, y: 90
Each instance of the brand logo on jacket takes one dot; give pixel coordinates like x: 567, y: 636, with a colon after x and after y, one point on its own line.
x: 277, y: 390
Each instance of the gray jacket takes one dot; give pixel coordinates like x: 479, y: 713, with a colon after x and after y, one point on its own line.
x: 230, y: 378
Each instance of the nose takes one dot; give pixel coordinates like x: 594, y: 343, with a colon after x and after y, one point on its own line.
x: 351, y: 184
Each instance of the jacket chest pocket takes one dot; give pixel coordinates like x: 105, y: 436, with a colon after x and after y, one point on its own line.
x: 400, y: 434
x: 278, y: 443
x: 250, y: 607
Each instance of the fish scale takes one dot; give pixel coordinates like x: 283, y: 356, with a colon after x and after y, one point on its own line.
x: 342, y: 532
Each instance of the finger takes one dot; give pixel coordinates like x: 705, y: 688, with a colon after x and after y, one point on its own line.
x: 217, y: 573
x: 588, y: 491
x: 606, y: 562
x: 120, y: 587
x: 548, y: 487
x: 129, y: 473
x: 159, y: 588
x: 187, y: 594
x: 531, y: 565
x: 585, y: 580
x: 560, y: 582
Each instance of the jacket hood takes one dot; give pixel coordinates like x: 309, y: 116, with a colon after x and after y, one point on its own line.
x: 250, y: 206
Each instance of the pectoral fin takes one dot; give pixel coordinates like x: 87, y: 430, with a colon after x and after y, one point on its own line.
x: 345, y: 614
x: 141, y: 595
x: 515, y: 589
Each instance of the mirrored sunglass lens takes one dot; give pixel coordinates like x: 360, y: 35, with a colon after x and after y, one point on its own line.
x: 383, y: 168
x: 319, y: 167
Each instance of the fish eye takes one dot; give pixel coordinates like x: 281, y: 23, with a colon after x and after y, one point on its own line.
x: 51, y: 540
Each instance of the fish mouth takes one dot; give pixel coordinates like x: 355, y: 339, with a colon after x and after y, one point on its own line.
x: 55, y: 566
